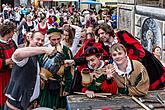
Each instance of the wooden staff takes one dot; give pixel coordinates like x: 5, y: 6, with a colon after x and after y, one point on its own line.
x: 104, y: 95
x: 140, y: 103
x: 158, y: 98
x: 107, y: 94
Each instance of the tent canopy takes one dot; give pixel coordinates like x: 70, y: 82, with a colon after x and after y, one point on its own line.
x: 90, y: 2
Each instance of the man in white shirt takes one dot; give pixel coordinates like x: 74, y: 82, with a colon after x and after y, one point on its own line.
x: 24, y: 85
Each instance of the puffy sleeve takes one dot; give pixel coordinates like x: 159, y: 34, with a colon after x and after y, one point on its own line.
x: 134, y: 48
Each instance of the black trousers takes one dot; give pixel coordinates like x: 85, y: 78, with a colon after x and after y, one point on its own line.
x: 16, y: 104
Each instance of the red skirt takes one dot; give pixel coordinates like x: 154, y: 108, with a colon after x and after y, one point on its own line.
x: 4, y: 80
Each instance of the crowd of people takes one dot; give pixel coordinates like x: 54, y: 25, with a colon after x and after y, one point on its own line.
x: 48, y: 54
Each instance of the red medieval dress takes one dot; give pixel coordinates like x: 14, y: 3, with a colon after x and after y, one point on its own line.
x: 41, y: 29
x: 135, y: 51
x: 6, y: 51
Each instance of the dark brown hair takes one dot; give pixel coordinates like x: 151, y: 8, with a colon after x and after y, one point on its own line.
x: 108, y: 29
x: 154, y: 47
x: 71, y: 33
x: 6, y: 28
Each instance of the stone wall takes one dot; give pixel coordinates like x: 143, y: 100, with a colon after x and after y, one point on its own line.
x: 155, y: 3
x: 145, y: 22
x: 127, y: 1
x: 150, y: 19
x: 125, y: 15
x: 158, y: 3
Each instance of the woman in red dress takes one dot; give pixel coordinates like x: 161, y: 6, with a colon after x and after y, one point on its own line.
x: 7, y: 48
x: 43, y: 25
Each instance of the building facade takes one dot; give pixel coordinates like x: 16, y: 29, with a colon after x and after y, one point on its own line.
x: 26, y: 3
x: 145, y: 19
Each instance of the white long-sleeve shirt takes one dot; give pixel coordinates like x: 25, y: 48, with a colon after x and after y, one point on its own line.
x: 76, y: 40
